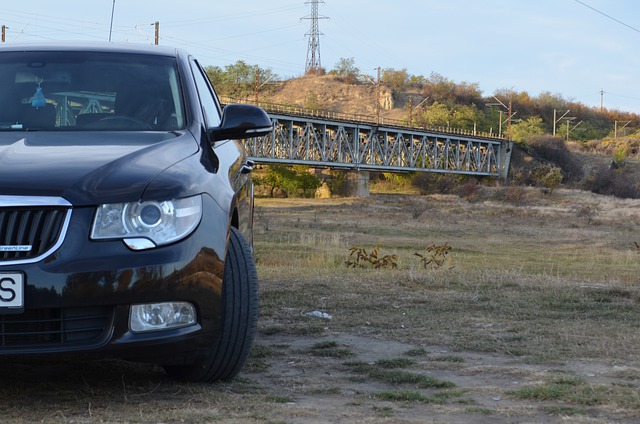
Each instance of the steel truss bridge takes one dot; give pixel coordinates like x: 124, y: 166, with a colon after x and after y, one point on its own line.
x: 359, y: 146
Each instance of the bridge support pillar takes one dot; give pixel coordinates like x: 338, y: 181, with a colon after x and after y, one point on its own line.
x: 507, y: 148
x: 357, y: 184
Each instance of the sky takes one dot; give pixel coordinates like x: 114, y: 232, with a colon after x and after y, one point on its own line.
x: 586, y: 51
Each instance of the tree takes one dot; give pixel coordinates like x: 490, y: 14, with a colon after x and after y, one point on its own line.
x: 394, y: 79
x: 292, y: 181
x: 442, y: 90
x: 217, y: 76
x: 436, y: 115
x: 347, y: 69
x: 238, y: 79
x: 529, y: 127
x: 466, y: 117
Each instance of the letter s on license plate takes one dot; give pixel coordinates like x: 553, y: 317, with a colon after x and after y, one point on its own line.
x: 11, y: 291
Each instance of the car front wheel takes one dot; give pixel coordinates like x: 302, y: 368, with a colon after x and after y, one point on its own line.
x: 238, y: 319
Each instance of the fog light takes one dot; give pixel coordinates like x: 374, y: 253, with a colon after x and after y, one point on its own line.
x: 161, y: 316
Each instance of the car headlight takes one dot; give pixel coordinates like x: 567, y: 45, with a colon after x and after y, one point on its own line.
x: 144, y: 225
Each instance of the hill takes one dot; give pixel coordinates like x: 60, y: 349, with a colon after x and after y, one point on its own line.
x: 428, y: 102
x: 331, y: 93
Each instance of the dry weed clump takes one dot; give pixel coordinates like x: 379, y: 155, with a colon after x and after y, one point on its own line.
x: 436, y: 257
x: 586, y: 212
x: 361, y: 258
x: 514, y: 194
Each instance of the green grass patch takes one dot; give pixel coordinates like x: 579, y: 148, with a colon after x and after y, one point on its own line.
x: 326, y: 391
x: 261, y: 351
x: 564, y: 411
x: 479, y: 410
x: 395, y: 377
x: 561, y: 388
x: 418, y: 351
x: 278, y: 399
x: 403, y: 396
x: 576, y: 391
x: 383, y: 411
x: 395, y: 363
x: 447, y: 358
x: 449, y: 394
x: 330, y: 350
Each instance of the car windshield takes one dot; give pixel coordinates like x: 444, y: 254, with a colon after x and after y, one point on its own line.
x: 89, y: 91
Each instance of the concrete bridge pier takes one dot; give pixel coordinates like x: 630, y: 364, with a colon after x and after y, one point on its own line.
x: 357, y: 184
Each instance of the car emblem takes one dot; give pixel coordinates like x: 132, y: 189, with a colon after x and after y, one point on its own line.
x: 16, y: 248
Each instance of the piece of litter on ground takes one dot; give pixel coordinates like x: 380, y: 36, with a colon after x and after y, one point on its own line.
x: 318, y: 314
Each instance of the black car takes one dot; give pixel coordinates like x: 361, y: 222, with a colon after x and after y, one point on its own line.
x: 126, y: 210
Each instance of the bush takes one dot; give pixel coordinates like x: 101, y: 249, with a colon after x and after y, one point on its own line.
x: 338, y: 183
x: 613, y: 182
x: 433, y: 183
x: 555, y: 151
x: 470, y: 189
x: 547, y: 176
x: 294, y: 181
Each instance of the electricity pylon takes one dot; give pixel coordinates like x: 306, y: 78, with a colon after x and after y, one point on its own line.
x: 313, y: 51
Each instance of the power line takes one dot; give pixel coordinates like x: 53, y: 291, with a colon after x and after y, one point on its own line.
x: 623, y: 96
x: 235, y: 16
x: 608, y: 16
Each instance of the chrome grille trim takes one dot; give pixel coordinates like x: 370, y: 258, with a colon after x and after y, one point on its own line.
x: 9, y: 202
x: 18, y: 201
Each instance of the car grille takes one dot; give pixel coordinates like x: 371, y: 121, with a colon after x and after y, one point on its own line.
x: 56, y: 327
x: 39, y: 227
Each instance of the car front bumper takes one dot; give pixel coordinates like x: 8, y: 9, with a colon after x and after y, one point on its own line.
x: 78, y: 299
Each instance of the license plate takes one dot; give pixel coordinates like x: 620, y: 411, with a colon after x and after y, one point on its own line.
x: 11, y: 291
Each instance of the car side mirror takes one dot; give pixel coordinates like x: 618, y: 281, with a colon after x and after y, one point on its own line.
x: 241, y: 121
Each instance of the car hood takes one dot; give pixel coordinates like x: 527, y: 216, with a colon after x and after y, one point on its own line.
x: 88, y: 168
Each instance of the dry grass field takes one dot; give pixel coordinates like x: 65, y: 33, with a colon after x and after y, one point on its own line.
x: 515, y: 308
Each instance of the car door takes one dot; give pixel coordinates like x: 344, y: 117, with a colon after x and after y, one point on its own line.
x: 240, y: 166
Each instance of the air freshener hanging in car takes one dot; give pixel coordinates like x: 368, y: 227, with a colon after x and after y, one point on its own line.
x: 38, y: 99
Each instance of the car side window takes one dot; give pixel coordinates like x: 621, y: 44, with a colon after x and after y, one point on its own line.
x: 207, y: 98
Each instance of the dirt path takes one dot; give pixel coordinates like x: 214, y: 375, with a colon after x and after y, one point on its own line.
x: 323, y: 389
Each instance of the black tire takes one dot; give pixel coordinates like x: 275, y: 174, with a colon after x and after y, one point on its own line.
x: 239, y: 317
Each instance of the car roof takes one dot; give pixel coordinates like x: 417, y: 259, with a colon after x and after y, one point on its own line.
x: 125, y: 48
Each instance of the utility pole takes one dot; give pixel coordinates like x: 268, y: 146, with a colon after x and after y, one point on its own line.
x: 113, y: 8
x: 313, y: 51
x: 411, y: 108
x: 376, y: 84
x: 157, y: 36
x: 572, y: 128
x: 555, y: 121
x: 509, y: 122
x: 615, y: 128
x: 509, y: 116
x: 601, y: 99
x: 4, y: 31
x: 378, y: 98
x: 257, y: 83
